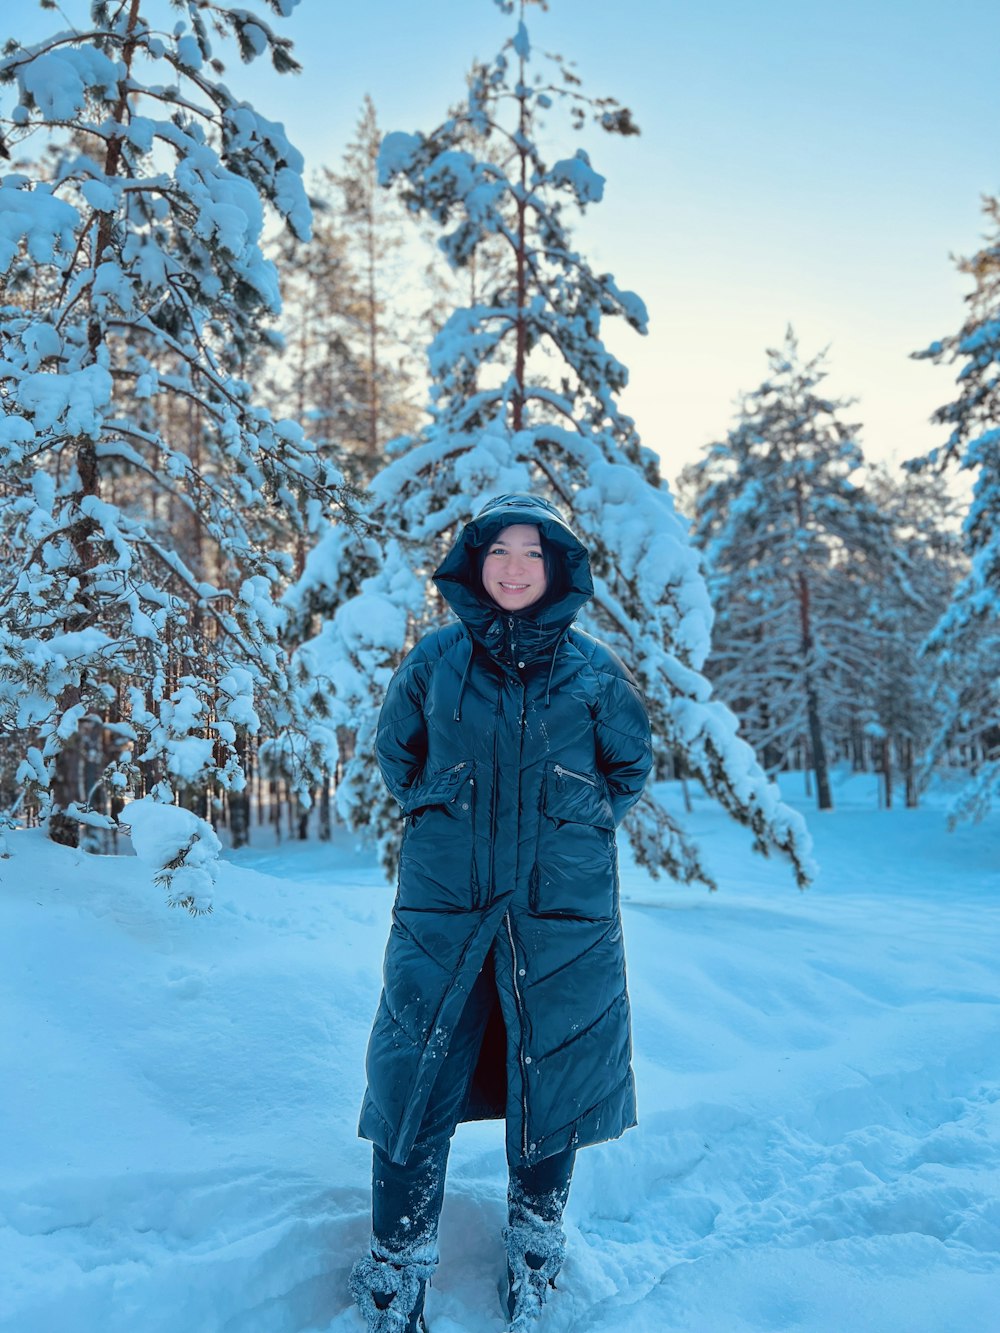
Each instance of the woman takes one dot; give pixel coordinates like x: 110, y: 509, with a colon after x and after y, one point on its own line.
x: 514, y: 745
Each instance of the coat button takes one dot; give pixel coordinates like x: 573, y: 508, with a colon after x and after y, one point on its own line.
x: 533, y: 1146
x: 521, y: 972
x: 527, y: 1059
x: 465, y: 805
x: 520, y: 664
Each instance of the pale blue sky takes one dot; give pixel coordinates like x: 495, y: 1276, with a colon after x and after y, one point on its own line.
x: 804, y: 162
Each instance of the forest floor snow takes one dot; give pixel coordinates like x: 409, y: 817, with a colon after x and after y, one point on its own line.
x: 818, y: 1076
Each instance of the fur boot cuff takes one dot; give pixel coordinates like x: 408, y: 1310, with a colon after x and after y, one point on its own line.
x: 535, y: 1255
x: 387, y: 1291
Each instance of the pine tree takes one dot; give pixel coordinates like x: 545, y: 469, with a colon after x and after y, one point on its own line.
x: 524, y: 397
x: 965, y: 642
x: 899, y: 689
x: 344, y: 358
x: 125, y: 663
x: 346, y: 366
x: 372, y: 222
x: 795, y: 549
x: 317, y: 366
x: 483, y: 270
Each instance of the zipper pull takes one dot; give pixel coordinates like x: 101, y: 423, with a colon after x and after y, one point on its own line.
x: 513, y: 639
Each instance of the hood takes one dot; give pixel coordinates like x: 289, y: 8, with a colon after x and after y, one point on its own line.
x: 458, y: 581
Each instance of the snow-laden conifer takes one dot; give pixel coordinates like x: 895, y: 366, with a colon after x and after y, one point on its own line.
x: 134, y: 290
x: 345, y: 362
x: 965, y: 643
x: 373, y: 223
x: 525, y: 398
x: 899, y: 691
x: 795, y: 550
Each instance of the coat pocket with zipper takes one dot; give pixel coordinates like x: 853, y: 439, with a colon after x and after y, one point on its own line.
x: 441, y: 788
x: 572, y: 796
x: 437, y: 859
x: 575, y: 871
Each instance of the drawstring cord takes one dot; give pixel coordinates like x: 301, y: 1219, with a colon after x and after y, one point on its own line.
x: 465, y: 677
x: 552, y: 665
x: 468, y: 668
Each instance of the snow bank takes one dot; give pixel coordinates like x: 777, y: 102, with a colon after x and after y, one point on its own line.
x: 818, y: 1096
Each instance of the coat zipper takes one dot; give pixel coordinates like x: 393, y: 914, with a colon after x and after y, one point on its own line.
x: 580, y: 777
x: 491, y: 886
x: 473, y: 877
x: 520, y: 1045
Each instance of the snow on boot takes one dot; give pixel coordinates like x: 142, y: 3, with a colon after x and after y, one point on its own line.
x: 535, y: 1255
x: 390, y: 1292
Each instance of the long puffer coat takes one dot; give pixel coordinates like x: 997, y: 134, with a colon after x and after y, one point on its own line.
x: 514, y: 745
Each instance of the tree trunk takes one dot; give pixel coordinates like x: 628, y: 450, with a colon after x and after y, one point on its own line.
x: 912, y: 796
x: 94, y: 748
x: 824, y: 799
x: 859, y: 761
x: 67, y: 781
x: 521, y: 332
x: 274, y: 810
x: 68, y: 765
x: 239, y: 801
x: 261, y: 797
x: 374, y: 406
x: 239, y: 818
x: 324, y: 808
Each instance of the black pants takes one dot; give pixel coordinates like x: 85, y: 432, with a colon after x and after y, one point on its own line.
x: 407, y: 1199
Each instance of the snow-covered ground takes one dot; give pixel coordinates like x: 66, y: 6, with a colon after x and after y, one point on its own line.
x: 819, y: 1083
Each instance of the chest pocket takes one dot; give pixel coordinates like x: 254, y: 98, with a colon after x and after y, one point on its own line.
x: 576, y: 861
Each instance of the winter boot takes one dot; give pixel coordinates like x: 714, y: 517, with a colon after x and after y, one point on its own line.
x: 535, y: 1255
x: 390, y: 1290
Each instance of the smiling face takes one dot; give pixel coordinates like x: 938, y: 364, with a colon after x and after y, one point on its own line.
x: 514, y: 571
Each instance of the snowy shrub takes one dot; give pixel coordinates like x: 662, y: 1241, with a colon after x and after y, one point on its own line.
x: 181, y: 850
